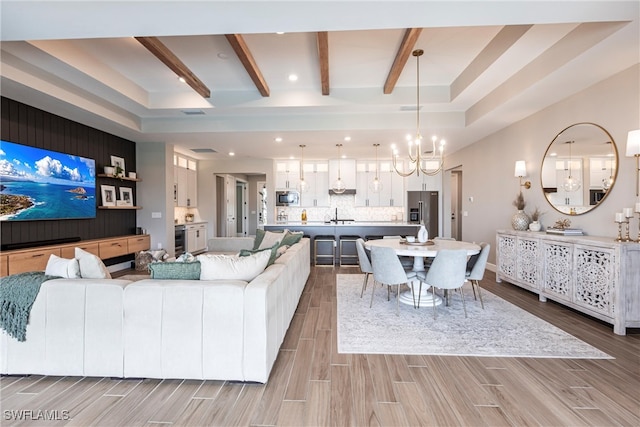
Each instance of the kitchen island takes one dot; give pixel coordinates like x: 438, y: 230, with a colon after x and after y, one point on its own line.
x: 344, y: 232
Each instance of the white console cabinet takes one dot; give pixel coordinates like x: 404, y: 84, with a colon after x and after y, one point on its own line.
x: 594, y: 275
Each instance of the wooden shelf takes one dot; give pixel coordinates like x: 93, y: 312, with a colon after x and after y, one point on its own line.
x: 119, y: 207
x: 124, y: 178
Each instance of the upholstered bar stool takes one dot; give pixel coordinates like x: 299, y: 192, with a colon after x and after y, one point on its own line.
x: 324, y: 250
x: 348, y: 256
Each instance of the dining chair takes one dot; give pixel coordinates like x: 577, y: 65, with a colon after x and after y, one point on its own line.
x: 406, y: 261
x: 388, y: 270
x: 447, y: 272
x: 364, y: 262
x: 475, y: 269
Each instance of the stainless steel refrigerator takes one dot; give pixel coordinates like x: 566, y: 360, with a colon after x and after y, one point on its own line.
x: 422, y: 207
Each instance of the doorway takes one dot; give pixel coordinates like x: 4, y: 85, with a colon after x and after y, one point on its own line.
x: 456, y: 204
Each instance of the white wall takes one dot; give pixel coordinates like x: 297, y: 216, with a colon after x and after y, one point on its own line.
x: 488, y: 165
x: 155, y: 192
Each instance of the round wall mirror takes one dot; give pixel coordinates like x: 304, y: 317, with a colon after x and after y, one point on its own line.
x: 579, y: 168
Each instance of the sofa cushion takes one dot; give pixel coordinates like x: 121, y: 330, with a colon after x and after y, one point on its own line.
x: 175, y: 270
x: 273, y: 252
x: 270, y: 238
x: 291, y: 238
x: 62, y: 267
x: 232, y: 267
x: 91, y: 267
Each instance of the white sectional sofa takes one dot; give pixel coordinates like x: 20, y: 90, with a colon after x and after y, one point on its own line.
x: 152, y: 328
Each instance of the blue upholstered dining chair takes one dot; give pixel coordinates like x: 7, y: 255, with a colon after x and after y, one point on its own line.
x: 388, y: 270
x: 475, y: 269
x: 447, y: 272
x: 364, y: 262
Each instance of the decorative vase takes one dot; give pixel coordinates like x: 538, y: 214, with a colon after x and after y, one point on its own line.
x: 423, y: 234
x: 535, y: 226
x: 520, y: 221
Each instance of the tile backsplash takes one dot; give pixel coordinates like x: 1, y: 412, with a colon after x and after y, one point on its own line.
x: 346, y: 210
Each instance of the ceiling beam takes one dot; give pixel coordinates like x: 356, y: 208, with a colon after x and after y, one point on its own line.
x: 244, y: 54
x: 323, y: 56
x: 406, y: 47
x: 155, y: 46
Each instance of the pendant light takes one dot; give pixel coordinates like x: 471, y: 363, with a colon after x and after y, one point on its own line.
x: 302, y: 185
x: 338, y: 185
x: 430, y: 165
x: 570, y: 183
x: 376, y: 185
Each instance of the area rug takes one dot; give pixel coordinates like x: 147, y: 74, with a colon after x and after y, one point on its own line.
x: 500, y: 330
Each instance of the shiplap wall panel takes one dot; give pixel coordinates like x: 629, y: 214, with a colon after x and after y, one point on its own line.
x: 27, y: 125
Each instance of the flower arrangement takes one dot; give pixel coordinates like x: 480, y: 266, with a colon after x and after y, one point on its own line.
x: 536, y: 214
x: 519, y: 202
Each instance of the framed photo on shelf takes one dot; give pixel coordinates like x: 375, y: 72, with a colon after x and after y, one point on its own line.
x: 126, y: 197
x: 108, y: 195
x: 118, y: 162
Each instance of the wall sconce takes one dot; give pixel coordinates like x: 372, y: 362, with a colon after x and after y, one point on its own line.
x: 521, y: 172
x: 633, y: 150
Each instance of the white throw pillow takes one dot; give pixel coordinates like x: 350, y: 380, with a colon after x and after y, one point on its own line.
x: 91, y: 267
x: 232, y: 267
x: 62, y: 267
x: 270, y: 239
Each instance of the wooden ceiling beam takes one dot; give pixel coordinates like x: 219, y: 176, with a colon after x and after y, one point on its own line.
x: 406, y: 47
x: 156, y: 47
x: 323, y: 56
x: 244, y: 54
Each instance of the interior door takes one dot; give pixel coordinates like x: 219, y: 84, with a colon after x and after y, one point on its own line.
x: 242, y: 223
x: 230, y: 191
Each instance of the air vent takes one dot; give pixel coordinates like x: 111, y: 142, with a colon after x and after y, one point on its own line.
x: 193, y: 112
x: 409, y: 108
x: 203, y: 150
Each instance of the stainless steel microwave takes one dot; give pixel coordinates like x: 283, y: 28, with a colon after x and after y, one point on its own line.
x: 287, y: 198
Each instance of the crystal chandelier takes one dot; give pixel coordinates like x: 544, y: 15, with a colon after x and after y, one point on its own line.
x: 432, y: 164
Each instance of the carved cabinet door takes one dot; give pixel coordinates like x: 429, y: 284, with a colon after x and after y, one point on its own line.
x: 595, y: 278
x: 557, y: 277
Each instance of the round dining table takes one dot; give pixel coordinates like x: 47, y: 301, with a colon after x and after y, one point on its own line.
x: 420, y: 251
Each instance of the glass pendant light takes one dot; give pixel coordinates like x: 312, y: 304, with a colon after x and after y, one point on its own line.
x: 302, y: 185
x: 338, y: 185
x: 570, y: 183
x: 376, y: 184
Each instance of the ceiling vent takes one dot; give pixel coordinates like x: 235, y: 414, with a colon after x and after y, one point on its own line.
x: 193, y: 112
x: 203, y: 150
x: 409, y: 108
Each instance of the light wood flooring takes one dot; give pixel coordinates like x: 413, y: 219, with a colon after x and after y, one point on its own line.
x: 312, y: 385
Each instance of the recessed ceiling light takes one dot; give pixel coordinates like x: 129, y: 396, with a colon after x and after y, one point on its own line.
x: 222, y: 55
x: 278, y: 139
x: 347, y: 138
x: 293, y: 78
x: 279, y: 32
x: 182, y: 79
x: 231, y: 153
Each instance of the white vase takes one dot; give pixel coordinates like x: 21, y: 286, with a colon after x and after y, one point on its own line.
x: 535, y: 226
x: 423, y: 234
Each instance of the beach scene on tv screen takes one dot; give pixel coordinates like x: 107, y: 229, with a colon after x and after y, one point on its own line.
x: 40, y: 184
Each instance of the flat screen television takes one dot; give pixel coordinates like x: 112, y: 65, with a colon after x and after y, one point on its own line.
x: 38, y: 184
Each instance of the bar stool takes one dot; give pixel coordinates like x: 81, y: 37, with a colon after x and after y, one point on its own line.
x: 348, y: 256
x: 324, y: 241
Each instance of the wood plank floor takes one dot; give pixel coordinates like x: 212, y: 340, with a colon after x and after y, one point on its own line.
x: 313, y: 385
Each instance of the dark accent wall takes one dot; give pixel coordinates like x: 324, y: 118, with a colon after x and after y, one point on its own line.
x: 27, y: 125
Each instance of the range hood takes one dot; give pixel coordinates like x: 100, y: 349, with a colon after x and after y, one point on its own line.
x: 348, y: 192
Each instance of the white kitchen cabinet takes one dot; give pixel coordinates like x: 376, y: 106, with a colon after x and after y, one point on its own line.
x: 423, y: 182
x: 196, y: 237
x: 392, y: 192
x: 287, y: 174
x: 185, y: 182
x: 316, y: 174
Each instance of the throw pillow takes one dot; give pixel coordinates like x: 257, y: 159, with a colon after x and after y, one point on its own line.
x: 260, y: 234
x: 273, y: 254
x: 62, y: 267
x: 291, y: 238
x: 232, y: 267
x: 175, y: 270
x: 271, y: 238
x: 91, y: 267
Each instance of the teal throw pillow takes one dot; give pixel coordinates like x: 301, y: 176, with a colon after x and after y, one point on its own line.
x: 291, y: 238
x: 272, y: 257
x: 175, y: 270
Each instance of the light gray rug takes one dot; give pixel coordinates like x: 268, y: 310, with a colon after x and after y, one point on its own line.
x: 500, y: 330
